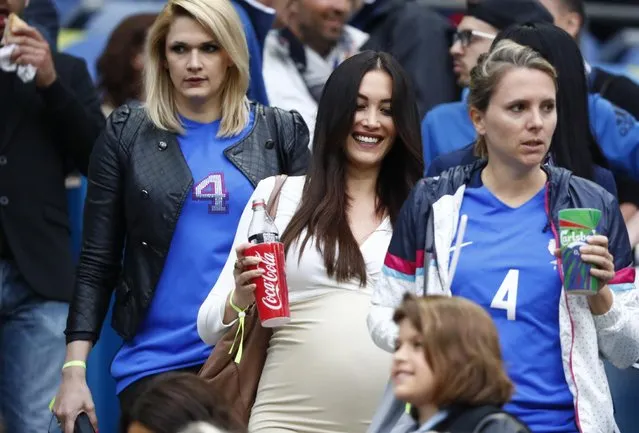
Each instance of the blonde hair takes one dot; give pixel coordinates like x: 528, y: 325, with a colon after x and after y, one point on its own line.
x: 490, y: 69
x: 461, y: 346
x: 221, y: 20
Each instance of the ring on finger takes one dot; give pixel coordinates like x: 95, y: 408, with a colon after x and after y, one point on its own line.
x: 238, y: 266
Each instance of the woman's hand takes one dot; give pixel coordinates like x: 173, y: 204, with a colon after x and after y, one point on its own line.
x: 596, y: 254
x: 243, y: 295
x: 603, y: 268
x: 74, y: 398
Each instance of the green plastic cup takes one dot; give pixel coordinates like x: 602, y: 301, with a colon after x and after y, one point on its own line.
x: 575, y: 226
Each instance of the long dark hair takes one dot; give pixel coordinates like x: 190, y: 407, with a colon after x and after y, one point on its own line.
x: 323, y: 209
x: 573, y: 145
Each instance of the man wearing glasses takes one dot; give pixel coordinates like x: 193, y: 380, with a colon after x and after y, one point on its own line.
x: 444, y: 127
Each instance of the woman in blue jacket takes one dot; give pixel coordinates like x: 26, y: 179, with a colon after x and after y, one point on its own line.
x: 552, y: 342
x: 613, y: 136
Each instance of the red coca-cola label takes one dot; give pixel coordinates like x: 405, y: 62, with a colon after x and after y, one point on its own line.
x: 271, y: 290
x: 272, y: 298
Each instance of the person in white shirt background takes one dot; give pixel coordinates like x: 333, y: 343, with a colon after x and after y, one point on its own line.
x: 300, y: 56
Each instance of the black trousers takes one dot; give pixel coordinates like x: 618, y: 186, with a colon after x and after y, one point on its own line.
x: 130, y: 394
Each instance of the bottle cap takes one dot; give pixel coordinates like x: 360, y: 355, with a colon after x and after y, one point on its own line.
x: 258, y: 202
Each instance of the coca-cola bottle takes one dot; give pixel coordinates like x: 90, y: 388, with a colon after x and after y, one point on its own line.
x: 262, y: 228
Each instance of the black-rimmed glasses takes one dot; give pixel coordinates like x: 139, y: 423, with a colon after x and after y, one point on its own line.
x: 466, y: 37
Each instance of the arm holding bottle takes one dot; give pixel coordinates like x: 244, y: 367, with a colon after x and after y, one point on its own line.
x: 216, y: 315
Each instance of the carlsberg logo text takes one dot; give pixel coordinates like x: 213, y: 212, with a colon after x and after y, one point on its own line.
x: 271, y: 297
x: 569, y: 236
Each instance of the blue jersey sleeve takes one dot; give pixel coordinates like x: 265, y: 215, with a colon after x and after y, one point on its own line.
x: 617, y: 133
x: 427, y: 142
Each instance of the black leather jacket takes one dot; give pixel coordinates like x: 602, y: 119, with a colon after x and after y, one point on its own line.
x: 138, y: 182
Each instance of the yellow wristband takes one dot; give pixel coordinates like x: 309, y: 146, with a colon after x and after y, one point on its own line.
x: 241, y: 315
x: 74, y: 364
x: 67, y: 365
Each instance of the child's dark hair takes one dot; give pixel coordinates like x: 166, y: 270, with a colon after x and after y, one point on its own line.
x: 174, y: 400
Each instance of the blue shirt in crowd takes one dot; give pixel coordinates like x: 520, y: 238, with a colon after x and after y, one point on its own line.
x: 520, y: 288
x: 167, y: 338
x: 256, y: 21
x: 448, y: 127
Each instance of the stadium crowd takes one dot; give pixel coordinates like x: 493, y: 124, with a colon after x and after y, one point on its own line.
x: 417, y: 173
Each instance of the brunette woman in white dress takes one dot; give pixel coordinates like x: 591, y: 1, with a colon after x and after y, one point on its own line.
x: 323, y: 374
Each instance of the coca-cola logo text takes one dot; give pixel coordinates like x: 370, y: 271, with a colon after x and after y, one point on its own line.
x: 271, y: 299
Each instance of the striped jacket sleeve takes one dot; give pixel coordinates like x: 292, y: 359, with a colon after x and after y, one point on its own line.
x: 402, y: 271
x: 618, y: 329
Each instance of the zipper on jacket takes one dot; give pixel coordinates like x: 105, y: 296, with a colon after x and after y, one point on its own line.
x: 561, y: 278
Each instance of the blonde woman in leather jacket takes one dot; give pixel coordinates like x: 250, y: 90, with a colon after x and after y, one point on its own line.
x: 167, y: 185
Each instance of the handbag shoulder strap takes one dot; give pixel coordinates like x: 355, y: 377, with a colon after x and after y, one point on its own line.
x: 274, y: 198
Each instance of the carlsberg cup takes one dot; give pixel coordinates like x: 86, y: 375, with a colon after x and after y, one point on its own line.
x: 575, y: 226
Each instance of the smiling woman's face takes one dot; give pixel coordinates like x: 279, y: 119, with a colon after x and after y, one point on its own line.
x: 373, y: 132
x: 195, y: 61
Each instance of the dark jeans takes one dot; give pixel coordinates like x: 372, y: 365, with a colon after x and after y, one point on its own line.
x: 130, y: 394
x: 31, y: 352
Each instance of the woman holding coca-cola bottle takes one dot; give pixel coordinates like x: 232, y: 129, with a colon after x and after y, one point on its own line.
x: 322, y: 371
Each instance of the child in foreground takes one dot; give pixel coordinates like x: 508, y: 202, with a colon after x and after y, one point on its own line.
x: 448, y: 367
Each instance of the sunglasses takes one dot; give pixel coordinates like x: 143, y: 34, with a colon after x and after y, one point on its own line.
x: 466, y: 37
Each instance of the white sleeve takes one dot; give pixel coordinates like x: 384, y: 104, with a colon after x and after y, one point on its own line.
x: 379, y: 320
x: 210, y: 324
x: 285, y: 87
x: 381, y: 326
x: 399, y: 275
x: 618, y: 329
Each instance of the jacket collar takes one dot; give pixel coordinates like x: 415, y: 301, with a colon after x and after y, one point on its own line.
x: 452, y: 179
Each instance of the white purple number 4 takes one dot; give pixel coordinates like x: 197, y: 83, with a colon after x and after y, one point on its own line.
x: 212, y: 188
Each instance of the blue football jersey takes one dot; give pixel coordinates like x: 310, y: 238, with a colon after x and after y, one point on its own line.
x: 507, y: 266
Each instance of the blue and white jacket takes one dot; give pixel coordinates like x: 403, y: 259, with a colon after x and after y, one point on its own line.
x: 417, y: 262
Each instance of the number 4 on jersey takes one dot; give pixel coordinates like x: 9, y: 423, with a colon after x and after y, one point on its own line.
x: 506, y: 296
x: 212, y: 188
